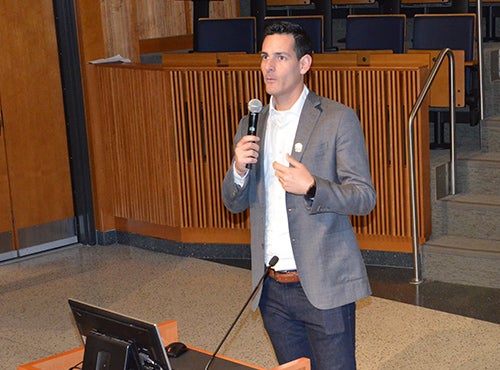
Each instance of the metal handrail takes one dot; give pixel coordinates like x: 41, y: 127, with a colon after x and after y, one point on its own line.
x: 417, y: 279
x: 480, y: 56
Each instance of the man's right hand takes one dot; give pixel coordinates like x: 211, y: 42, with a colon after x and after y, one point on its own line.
x: 246, y: 152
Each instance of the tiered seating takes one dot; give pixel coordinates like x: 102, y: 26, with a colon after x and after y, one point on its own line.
x: 226, y: 35
x: 313, y: 25
x: 457, y: 32
x: 382, y: 32
x: 376, y: 32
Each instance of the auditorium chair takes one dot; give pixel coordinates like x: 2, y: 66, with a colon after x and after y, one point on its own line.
x: 226, y: 35
x: 456, y: 31
x: 376, y: 32
x: 312, y: 24
x: 426, y: 6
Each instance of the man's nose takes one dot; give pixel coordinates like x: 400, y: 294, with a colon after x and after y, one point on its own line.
x: 269, y: 64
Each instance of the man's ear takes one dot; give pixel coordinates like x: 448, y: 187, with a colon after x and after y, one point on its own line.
x: 305, y: 63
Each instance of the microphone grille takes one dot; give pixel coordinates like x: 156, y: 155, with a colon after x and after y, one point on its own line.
x: 255, y: 106
x: 273, y: 261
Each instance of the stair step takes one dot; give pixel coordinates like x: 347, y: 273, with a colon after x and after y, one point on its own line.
x: 481, y: 200
x: 455, y: 243
x: 465, y: 244
x: 478, y: 172
x: 492, y: 158
x: 490, y: 134
x: 461, y: 260
x: 468, y: 215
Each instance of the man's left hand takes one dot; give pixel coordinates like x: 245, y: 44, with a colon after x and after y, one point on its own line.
x: 296, y: 178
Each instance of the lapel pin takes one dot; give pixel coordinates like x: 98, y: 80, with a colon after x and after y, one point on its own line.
x: 298, y: 147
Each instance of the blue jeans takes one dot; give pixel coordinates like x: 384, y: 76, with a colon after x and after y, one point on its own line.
x: 298, y: 329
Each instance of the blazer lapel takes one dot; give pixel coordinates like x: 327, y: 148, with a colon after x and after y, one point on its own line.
x: 261, y: 132
x: 308, y: 118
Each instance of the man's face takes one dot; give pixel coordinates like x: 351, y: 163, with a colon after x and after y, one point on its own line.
x: 283, y: 72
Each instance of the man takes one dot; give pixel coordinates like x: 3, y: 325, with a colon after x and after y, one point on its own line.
x: 302, y: 175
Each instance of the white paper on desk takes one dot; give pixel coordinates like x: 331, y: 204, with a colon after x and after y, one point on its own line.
x: 115, y: 59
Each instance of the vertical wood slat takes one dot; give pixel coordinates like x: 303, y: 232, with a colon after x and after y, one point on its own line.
x: 219, y: 103
x: 198, y: 110
x: 378, y: 97
x: 134, y: 114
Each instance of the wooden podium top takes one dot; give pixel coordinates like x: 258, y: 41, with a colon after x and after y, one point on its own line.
x: 168, y: 331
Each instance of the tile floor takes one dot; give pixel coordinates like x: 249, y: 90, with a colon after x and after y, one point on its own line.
x: 402, y: 326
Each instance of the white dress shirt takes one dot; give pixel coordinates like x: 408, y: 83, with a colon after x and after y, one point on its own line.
x: 280, y: 134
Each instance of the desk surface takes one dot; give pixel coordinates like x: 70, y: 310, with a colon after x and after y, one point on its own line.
x: 193, y: 359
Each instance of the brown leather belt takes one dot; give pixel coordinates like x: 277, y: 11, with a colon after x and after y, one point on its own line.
x: 284, y: 276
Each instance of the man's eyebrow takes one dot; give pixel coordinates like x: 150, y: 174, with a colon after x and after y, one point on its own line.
x: 278, y: 53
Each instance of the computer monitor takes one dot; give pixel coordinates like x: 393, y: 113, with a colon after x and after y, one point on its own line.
x: 117, y: 342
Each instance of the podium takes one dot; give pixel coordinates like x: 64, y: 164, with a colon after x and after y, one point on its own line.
x: 191, y: 360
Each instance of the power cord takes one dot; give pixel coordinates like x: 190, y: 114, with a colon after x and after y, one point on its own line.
x: 77, y: 366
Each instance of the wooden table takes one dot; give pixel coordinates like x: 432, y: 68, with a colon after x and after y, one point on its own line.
x: 169, y: 334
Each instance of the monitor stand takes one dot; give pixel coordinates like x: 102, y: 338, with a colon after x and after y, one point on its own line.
x: 105, y: 353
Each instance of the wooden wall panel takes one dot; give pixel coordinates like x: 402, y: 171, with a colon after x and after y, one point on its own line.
x: 207, y: 108
x: 139, y: 152
x: 119, y: 20
x: 185, y: 118
x: 166, y: 18
x: 162, y: 18
x: 6, y: 229
x: 109, y: 27
x: 33, y: 114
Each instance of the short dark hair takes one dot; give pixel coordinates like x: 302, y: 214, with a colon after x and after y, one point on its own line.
x: 303, y: 44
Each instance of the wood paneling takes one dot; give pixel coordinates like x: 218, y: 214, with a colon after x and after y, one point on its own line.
x: 119, y: 20
x: 157, y: 25
x: 139, y: 144
x: 6, y: 229
x: 33, y: 114
x: 165, y: 18
x: 169, y: 130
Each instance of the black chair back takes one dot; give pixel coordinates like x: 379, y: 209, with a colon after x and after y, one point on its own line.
x: 312, y: 25
x: 376, y: 32
x: 440, y: 31
x: 225, y: 35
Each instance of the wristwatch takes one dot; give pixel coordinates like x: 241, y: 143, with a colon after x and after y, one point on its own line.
x: 311, y: 192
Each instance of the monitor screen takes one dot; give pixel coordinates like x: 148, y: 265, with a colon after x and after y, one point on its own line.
x: 117, y: 342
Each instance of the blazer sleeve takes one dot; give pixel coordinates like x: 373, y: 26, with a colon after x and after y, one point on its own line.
x: 350, y: 190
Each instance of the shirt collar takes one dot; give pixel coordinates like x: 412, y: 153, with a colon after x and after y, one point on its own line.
x: 296, y: 107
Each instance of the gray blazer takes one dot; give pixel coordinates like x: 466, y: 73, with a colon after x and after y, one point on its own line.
x: 326, y: 252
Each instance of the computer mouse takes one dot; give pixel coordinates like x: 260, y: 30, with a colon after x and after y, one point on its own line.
x: 176, y: 349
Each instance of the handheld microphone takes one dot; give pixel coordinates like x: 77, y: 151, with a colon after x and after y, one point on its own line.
x: 254, y: 108
x: 272, y: 262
